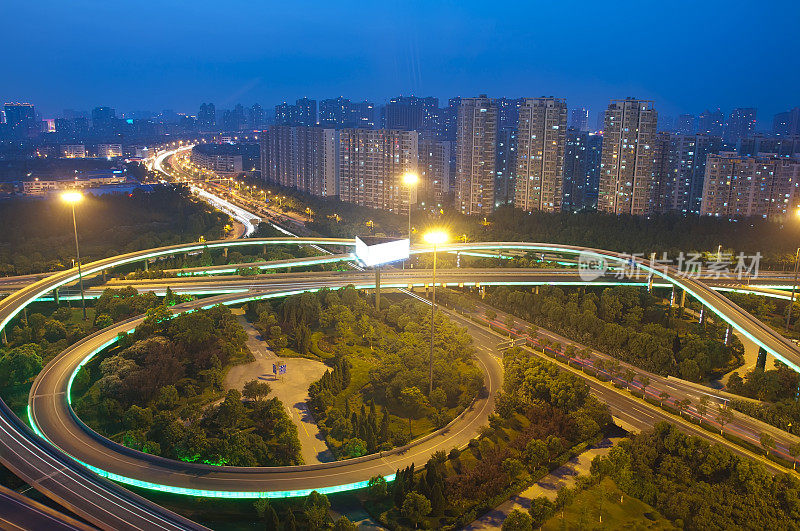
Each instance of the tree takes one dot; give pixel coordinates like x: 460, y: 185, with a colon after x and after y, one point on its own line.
x: 663, y: 396
x: 645, y: 381
x: 541, y: 510
x: 513, y: 468
x: 316, y: 508
x: 354, y: 447
x: 517, y: 521
x: 416, y: 507
x: 291, y: 523
x: 376, y: 488
x: 413, y: 400
x: 271, y: 519
x: 21, y: 364
x: 724, y: 416
x: 702, y: 406
x: 438, y: 398
x: 682, y: 405
x: 256, y: 390
x: 261, y: 505
x: 344, y: 524
x: 536, y: 453
x: 767, y: 442
x: 794, y: 451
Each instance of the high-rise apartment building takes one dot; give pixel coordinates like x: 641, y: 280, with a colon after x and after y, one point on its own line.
x: 301, y: 157
x: 476, y: 153
x: 434, y: 171
x: 582, y: 156
x: 541, y: 140
x: 579, y: 120
x: 448, y: 120
x: 741, y: 124
x: 306, y: 112
x: 507, y: 112
x: 372, y: 163
x: 21, y: 120
x: 782, y: 146
x: 626, y: 172
x: 711, y: 123
x: 679, y: 171
x: 685, y: 124
x: 505, y: 167
x: 740, y: 186
x: 334, y: 113
x: 362, y: 114
x: 787, y: 123
x: 411, y: 113
x: 207, y: 117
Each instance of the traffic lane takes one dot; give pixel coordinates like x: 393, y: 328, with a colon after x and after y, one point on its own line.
x: 20, y: 512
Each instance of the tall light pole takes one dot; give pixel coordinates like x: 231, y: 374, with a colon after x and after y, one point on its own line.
x: 794, y: 284
x: 435, y: 238
x: 410, y: 180
x: 72, y: 198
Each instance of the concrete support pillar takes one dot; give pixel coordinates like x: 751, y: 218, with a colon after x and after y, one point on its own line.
x: 146, y: 265
x: 4, y: 339
x: 683, y: 298
x: 225, y: 252
x: 55, y: 296
x: 650, y: 283
x: 263, y: 249
x: 702, y: 314
x: 483, y: 292
x: 537, y: 290
x: 672, y: 298
x: 378, y: 288
x: 105, y: 272
x: 727, y: 334
x: 25, y: 315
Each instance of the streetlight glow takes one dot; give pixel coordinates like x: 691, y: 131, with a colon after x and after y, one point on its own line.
x: 410, y: 179
x: 72, y: 197
x: 436, y: 237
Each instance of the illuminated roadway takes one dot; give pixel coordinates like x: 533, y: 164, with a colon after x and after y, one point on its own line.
x: 72, y: 486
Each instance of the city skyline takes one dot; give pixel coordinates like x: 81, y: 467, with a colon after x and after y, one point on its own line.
x: 401, y: 54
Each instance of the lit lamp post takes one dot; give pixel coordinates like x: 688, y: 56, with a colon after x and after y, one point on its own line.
x: 410, y: 180
x: 794, y: 284
x: 72, y: 198
x: 435, y: 238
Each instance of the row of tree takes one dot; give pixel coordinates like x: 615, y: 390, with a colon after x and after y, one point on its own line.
x: 627, y: 323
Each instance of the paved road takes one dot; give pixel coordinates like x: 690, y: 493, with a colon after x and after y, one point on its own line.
x: 22, y: 513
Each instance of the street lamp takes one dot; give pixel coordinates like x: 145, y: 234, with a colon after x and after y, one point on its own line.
x: 410, y: 180
x: 435, y: 238
x: 72, y: 198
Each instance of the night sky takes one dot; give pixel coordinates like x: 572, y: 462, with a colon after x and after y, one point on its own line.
x: 686, y: 55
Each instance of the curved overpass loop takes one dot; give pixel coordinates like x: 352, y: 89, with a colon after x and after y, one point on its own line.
x: 48, y: 400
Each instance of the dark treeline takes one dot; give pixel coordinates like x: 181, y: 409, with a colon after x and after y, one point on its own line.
x: 627, y: 323
x: 37, y: 235
x: 699, y: 485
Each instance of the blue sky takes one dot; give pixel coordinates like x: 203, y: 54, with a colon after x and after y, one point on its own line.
x: 175, y: 54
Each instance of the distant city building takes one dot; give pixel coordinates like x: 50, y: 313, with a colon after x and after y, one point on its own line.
x: 582, y: 156
x: 626, y: 174
x: 665, y: 123
x: 741, y: 124
x: 103, y: 117
x: 20, y: 119
x: 362, y: 114
x: 411, y: 113
x: 600, y: 121
x: 476, y: 155
x: 787, y: 123
x: 505, y: 167
x: 579, y: 120
x: 372, y: 163
x: 301, y: 157
x: 434, y: 171
x: 233, y: 120
x: 541, y: 140
x: 207, y: 117
x: 38, y: 187
x: 306, y: 112
x: 743, y: 186
x: 303, y: 112
x: 342, y: 113
x: 224, y: 159
x: 73, y: 151
x: 782, y: 146
x: 711, y: 123
x: 109, y: 151
x: 679, y: 171
x: 255, y: 116
x: 448, y: 120
x: 685, y: 124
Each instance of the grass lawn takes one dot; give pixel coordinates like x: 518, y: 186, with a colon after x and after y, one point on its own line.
x: 584, y: 511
